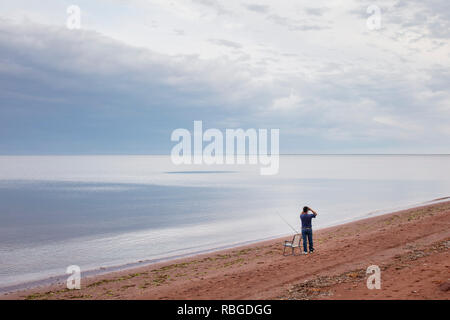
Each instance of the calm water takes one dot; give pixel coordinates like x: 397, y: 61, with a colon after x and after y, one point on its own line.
x: 102, y: 211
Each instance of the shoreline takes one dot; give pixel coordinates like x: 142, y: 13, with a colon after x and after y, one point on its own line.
x: 239, y: 260
x: 100, y: 271
x: 55, y: 280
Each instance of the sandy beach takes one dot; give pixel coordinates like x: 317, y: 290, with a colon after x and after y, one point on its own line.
x: 411, y: 247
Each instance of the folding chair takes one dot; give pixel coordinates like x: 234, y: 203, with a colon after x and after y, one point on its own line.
x: 295, y: 243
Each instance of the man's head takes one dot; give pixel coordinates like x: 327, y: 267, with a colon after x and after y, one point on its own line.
x: 305, y: 209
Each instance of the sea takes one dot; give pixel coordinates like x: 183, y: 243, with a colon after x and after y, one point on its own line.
x: 105, y: 213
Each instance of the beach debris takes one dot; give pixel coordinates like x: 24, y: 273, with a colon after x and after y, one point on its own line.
x: 314, y: 288
x: 445, y: 286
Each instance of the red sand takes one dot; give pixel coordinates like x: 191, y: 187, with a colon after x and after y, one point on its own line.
x: 411, y: 247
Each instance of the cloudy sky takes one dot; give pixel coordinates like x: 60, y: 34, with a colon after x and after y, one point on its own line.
x: 138, y: 69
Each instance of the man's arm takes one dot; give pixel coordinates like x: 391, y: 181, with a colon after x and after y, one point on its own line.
x: 315, y: 213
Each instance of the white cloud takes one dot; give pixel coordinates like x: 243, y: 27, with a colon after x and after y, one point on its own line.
x: 262, y: 63
x: 286, y: 103
x: 388, y: 121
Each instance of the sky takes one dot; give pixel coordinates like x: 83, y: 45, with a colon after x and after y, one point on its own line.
x: 137, y: 70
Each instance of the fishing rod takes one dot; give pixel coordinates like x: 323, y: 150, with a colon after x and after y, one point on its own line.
x: 287, y: 223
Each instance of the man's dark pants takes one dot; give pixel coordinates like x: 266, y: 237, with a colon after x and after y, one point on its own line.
x: 307, y: 234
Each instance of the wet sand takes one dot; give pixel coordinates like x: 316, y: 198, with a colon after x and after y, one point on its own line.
x: 411, y: 248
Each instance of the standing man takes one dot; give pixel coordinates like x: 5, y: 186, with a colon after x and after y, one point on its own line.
x: 305, y: 217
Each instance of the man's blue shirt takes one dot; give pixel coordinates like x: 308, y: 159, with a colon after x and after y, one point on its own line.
x: 306, y: 219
